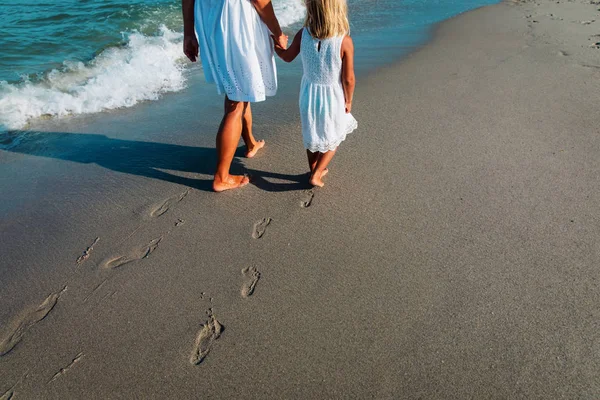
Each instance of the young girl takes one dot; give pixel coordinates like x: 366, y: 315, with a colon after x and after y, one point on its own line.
x: 327, y: 84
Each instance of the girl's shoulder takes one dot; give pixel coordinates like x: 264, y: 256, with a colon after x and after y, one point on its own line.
x: 347, y: 44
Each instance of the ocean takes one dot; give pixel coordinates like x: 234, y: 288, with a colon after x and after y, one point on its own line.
x: 70, y: 57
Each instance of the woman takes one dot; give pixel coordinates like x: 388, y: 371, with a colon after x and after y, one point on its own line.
x: 234, y: 37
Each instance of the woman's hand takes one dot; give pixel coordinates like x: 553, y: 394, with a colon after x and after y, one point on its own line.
x: 190, y: 47
x: 265, y: 10
x: 348, y: 107
x: 281, y: 41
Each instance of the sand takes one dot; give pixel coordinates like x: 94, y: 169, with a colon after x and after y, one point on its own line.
x: 453, y: 252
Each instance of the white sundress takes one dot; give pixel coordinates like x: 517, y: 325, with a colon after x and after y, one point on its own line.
x: 325, y: 123
x: 236, y: 49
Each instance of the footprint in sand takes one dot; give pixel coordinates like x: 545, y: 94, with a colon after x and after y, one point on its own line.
x: 64, y: 370
x: 87, y: 252
x: 251, y: 277
x: 260, y: 228
x: 137, y: 254
x: 591, y: 66
x: 309, y: 195
x: 164, y: 206
x: 29, y: 320
x: 10, y: 393
x: 210, y: 332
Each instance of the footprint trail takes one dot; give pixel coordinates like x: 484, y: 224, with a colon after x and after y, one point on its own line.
x: 135, y: 255
x: 260, y: 228
x: 210, y: 332
x: 29, y: 320
x: 166, y: 205
x: 251, y: 277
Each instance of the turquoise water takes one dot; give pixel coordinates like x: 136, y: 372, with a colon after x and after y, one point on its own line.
x: 38, y: 36
x: 67, y: 57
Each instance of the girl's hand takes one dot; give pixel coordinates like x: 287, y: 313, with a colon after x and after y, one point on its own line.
x: 190, y: 47
x: 348, y: 107
x: 287, y: 54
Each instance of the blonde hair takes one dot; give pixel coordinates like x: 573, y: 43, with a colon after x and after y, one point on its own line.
x: 327, y: 18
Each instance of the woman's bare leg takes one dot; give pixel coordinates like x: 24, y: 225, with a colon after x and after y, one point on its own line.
x: 228, y: 138
x: 321, y: 170
x: 252, y: 145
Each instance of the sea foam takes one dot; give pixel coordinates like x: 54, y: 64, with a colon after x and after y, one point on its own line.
x: 289, y: 12
x: 145, y: 68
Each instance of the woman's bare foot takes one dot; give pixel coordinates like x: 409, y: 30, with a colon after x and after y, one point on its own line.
x: 257, y: 146
x: 232, y: 182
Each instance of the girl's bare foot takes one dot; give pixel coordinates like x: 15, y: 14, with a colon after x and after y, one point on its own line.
x: 316, y: 179
x: 325, y: 172
x: 257, y: 146
x: 232, y: 182
x: 314, y: 182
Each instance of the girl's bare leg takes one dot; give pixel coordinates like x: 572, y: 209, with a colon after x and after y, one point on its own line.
x: 252, y: 145
x: 312, y: 159
x: 312, y: 162
x: 228, y: 138
x: 321, y: 170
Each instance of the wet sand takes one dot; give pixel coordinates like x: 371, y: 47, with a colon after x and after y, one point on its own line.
x: 453, y: 252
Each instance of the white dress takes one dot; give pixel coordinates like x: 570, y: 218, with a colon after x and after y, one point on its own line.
x: 325, y: 123
x: 236, y: 49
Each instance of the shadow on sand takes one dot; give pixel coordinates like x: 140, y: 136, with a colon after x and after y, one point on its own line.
x: 148, y: 159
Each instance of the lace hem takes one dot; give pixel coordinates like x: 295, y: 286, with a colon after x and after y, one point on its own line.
x: 240, y: 96
x: 323, y: 148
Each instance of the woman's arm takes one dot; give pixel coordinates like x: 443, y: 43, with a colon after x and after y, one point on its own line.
x: 289, y: 54
x: 348, y: 79
x: 265, y: 10
x: 190, y: 42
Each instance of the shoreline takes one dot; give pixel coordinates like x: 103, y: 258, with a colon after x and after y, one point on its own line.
x: 413, y: 29
x: 450, y: 254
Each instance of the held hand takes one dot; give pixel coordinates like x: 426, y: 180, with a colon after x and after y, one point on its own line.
x: 348, y: 108
x: 281, y: 41
x: 190, y: 47
x: 276, y: 44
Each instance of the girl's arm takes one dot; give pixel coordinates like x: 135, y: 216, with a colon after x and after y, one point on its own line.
x: 190, y: 43
x: 265, y: 10
x: 348, y: 79
x: 289, y: 54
